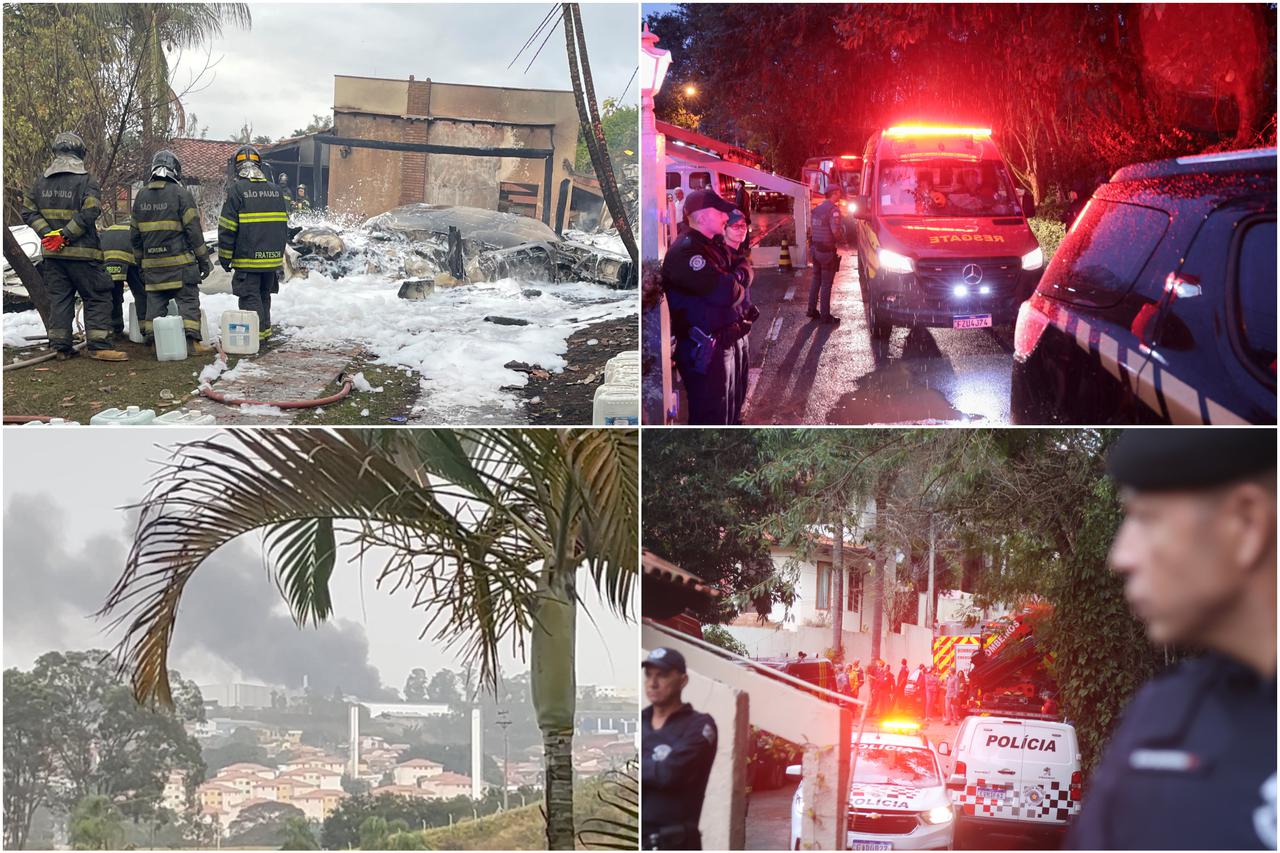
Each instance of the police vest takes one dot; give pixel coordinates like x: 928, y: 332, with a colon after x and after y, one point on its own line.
x: 69, y: 203
x: 166, y: 235
x: 254, y: 225
x: 117, y: 251
x: 820, y: 231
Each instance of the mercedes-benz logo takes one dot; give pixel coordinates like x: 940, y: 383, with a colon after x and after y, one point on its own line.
x: 972, y: 274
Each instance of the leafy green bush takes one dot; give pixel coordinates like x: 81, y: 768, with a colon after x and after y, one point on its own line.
x: 718, y: 636
x: 1049, y: 233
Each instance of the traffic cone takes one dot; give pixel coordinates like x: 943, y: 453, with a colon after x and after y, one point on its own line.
x: 784, y: 258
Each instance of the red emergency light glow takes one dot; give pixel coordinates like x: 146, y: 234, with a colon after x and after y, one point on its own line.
x: 935, y: 130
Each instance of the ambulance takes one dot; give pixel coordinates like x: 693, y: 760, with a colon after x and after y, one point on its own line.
x: 1014, y: 775
x: 897, y: 795
x: 941, y: 233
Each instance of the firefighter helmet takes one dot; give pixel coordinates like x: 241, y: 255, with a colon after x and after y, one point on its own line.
x: 164, y: 164
x: 68, y: 143
x: 247, y: 162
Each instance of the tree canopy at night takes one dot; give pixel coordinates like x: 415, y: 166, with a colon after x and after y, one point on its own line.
x: 1071, y: 91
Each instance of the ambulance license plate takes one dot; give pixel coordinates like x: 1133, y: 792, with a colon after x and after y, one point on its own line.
x: 972, y: 321
x: 870, y: 845
x: 993, y: 793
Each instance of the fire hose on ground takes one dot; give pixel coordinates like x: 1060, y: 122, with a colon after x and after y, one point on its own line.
x: 290, y: 404
x: 49, y: 356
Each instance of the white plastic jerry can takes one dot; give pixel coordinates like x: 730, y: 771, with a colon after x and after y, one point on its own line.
x: 135, y: 326
x: 206, y: 333
x: 171, y: 340
x: 616, y: 405
x: 240, y: 332
x: 130, y: 416
x: 185, y: 417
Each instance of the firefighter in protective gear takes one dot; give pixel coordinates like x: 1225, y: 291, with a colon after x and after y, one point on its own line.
x: 252, y: 232
x: 170, y: 246
x: 63, y: 207
x: 122, y: 266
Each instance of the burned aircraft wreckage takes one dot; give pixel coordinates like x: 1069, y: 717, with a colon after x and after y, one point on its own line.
x: 426, y: 246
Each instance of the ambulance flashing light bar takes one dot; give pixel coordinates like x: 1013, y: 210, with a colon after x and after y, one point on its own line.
x: 907, y: 130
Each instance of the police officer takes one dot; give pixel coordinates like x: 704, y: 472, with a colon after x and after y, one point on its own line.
x: 708, y: 304
x: 1192, y: 764
x: 252, y: 231
x: 121, y: 265
x: 168, y: 240
x: 63, y: 207
x: 678, y: 746
x: 826, y: 230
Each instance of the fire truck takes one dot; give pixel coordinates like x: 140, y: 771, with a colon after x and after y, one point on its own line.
x: 1007, y: 665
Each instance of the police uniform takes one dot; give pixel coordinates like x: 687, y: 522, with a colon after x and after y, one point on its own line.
x: 675, y: 763
x: 252, y: 231
x: 66, y: 200
x: 825, y: 229
x: 704, y: 290
x: 1192, y: 764
x: 121, y: 264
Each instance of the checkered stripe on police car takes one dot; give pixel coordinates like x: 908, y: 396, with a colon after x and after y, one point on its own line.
x: 972, y: 803
x: 1057, y: 803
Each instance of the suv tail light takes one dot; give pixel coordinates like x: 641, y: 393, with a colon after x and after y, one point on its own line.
x: 1077, y: 780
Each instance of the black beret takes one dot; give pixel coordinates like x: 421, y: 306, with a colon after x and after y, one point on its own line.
x: 1172, y: 459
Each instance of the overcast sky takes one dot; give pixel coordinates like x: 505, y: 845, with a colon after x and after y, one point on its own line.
x: 279, y: 73
x: 65, y: 542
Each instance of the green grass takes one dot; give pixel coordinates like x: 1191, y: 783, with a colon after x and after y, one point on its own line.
x: 80, y: 388
x: 399, y: 393
x: 519, y: 828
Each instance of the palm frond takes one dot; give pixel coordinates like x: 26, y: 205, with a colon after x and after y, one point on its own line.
x: 474, y: 579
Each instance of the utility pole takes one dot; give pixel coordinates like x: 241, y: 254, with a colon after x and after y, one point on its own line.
x: 504, y: 721
x: 932, y: 567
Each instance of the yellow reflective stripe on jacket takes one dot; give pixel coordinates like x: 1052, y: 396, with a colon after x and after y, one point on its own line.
x: 58, y: 212
x: 227, y: 223
x: 257, y: 263
x: 189, y: 214
x: 76, y: 253
x: 42, y: 225
x: 273, y: 216
x: 164, y: 285
x: 73, y: 229
x: 160, y: 225
x: 225, y: 253
x: 119, y: 255
x: 171, y: 261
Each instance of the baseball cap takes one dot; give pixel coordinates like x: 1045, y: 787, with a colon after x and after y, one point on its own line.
x: 664, y: 658
x: 706, y: 198
x: 736, y: 216
x: 1167, y: 459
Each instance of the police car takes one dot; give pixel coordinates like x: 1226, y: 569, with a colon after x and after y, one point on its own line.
x: 897, y: 797
x: 1014, y: 774
x: 1160, y: 304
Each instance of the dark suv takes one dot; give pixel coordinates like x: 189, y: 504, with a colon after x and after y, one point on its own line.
x: 1160, y: 304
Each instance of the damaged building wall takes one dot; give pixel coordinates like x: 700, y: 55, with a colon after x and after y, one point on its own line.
x: 366, y: 181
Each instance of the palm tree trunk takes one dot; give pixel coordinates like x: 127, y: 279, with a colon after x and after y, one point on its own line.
x: 592, y: 131
x: 554, y: 699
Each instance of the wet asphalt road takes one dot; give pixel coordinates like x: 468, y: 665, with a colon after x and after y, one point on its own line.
x: 804, y: 372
